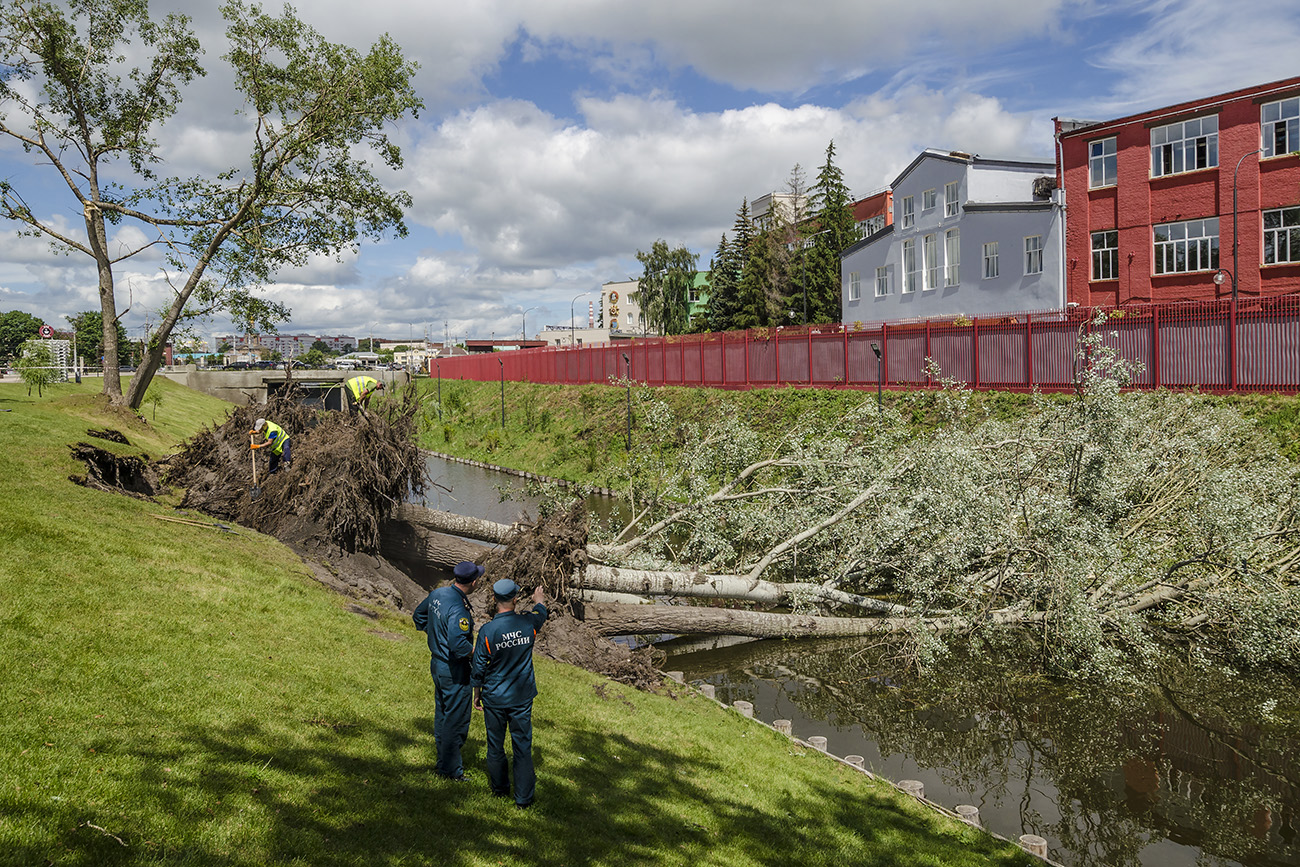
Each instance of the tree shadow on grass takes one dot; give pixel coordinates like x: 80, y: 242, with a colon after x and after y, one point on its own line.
x: 335, y: 795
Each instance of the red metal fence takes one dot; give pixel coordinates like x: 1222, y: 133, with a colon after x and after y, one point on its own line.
x: 1205, y: 345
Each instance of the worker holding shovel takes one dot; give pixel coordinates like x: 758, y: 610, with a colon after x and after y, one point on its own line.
x: 276, y: 438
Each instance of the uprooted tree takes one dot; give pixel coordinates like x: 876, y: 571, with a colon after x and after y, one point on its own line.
x: 1105, y: 524
x: 314, y: 112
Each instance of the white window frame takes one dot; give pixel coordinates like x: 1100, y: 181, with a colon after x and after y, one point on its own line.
x: 950, y: 193
x: 1103, y: 163
x: 1186, y: 146
x: 1186, y: 246
x: 911, y: 273
x: 930, y: 247
x: 990, y: 260
x: 907, y: 210
x: 882, y: 281
x: 1105, y: 255
x: 1033, y: 254
x: 1284, y: 237
x: 952, y: 257
x: 1279, y: 124
x: 855, y: 286
x: 929, y: 199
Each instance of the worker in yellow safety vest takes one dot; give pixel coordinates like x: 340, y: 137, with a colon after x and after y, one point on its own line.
x: 276, y: 438
x: 360, y: 389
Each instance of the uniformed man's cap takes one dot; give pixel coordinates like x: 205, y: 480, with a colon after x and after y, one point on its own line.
x: 466, y: 571
x: 259, y: 424
x: 505, y: 589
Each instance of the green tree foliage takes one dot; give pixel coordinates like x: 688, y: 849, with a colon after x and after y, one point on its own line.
x: 320, y: 346
x: 312, y: 358
x: 762, y: 301
x: 725, y: 271
x: 834, y: 228
x: 36, y: 366
x: 316, y: 112
x: 16, y: 328
x: 88, y: 326
x: 1097, y: 525
x: 663, y: 292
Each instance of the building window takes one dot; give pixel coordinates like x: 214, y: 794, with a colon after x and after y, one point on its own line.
x: 990, y: 260
x: 1102, y: 167
x: 855, y: 286
x: 1034, y: 254
x: 882, y: 281
x: 1282, y: 236
x: 1185, y: 147
x: 931, y: 262
x: 950, y: 199
x: 952, y: 258
x: 694, y: 294
x: 909, y: 212
x: 1281, y: 126
x: 928, y: 200
x: 1105, y: 255
x: 911, y: 274
x: 1192, y: 245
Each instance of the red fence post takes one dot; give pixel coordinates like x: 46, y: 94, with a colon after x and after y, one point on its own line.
x: 844, y: 329
x: 1155, y: 347
x: 1029, y: 351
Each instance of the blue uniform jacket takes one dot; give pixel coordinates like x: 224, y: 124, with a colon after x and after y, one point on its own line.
x: 445, y: 616
x: 503, y: 657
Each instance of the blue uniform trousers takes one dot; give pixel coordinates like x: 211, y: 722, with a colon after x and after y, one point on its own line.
x: 453, y: 697
x: 519, y: 718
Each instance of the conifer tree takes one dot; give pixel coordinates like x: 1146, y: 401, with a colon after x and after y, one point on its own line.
x: 832, y: 223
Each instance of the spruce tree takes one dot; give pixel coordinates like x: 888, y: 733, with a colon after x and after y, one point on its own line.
x: 832, y: 221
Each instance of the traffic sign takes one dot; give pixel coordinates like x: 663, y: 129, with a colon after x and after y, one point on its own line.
x: 47, y: 332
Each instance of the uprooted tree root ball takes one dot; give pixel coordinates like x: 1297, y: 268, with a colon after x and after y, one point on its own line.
x: 349, y: 472
x: 550, y: 553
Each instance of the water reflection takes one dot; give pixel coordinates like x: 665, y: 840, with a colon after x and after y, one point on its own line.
x: 1180, y: 775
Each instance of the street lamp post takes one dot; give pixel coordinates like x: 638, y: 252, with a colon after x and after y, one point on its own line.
x: 437, y: 364
x: 1220, y: 275
x: 525, y: 324
x: 880, y: 378
x: 572, y: 341
x: 627, y: 363
x: 503, y: 393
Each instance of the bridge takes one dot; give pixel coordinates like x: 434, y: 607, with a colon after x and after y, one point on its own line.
x: 244, y: 387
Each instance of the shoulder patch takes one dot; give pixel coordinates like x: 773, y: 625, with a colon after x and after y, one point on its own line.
x: 464, y: 624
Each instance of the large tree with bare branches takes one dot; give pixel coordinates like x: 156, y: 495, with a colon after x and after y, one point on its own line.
x: 316, y: 114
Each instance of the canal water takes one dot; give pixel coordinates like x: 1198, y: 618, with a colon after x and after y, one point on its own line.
x: 1199, y: 768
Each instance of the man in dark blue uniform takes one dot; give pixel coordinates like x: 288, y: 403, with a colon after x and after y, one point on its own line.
x: 505, y: 686
x: 445, y: 615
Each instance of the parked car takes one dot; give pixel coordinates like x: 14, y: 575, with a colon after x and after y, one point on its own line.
x: 237, y: 365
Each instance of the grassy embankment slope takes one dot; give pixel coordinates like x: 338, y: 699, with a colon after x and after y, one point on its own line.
x: 579, y: 432
x: 181, y: 695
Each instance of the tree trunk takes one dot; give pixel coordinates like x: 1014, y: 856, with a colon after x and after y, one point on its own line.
x: 420, y: 548
x: 684, y: 619
x: 701, y: 585
x: 435, y: 521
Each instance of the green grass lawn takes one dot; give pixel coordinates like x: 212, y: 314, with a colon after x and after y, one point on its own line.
x: 173, y: 694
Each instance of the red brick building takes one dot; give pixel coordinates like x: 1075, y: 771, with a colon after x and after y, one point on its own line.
x: 1149, y: 199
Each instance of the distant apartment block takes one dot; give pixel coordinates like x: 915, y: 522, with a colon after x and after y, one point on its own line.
x: 1151, y: 199
x: 288, y: 345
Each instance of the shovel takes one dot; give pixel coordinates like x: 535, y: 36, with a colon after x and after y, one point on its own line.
x: 256, y: 491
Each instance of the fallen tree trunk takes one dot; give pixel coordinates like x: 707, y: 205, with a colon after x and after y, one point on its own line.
x: 701, y: 585
x: 415, y: 546
x: 612, y: 619
x: 437, y: 521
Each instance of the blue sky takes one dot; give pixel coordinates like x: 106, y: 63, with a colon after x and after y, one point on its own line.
x: 562, y: 136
